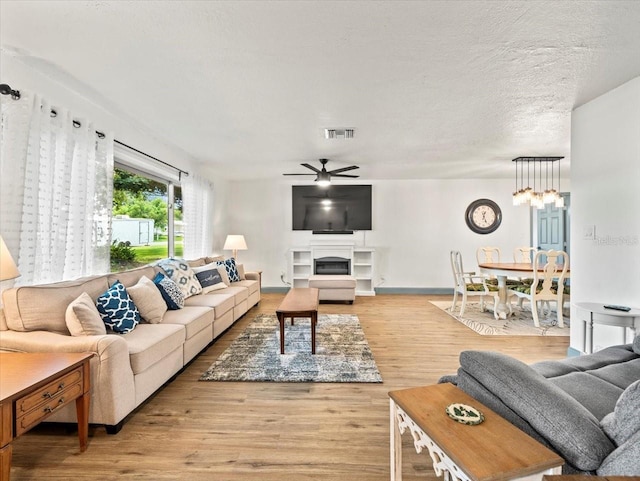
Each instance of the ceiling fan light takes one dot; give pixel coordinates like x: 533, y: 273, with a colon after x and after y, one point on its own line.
x: 323, y: 183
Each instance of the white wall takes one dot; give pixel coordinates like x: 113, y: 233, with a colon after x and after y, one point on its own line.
x: 415, y: 225
x: 605, y: 179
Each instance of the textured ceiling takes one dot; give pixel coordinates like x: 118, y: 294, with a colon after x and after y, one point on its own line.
x: 434, y: 89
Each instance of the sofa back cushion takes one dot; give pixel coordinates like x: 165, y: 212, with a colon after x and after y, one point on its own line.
x: 567, y: 425
x: 131, y: 277
x: 43, y: 307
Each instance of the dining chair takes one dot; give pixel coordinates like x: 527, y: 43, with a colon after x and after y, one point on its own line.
x: 491, y: 255
x: 524, y: 254
x: 471, y: 284
x: 549, y: 271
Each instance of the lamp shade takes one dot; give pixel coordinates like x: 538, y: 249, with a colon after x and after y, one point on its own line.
x: 235, y: 242
x: 8, y: 269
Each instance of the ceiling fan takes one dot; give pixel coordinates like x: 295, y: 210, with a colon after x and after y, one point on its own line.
x: 323, y: 177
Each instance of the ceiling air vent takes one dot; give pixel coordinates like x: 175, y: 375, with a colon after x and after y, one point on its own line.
x: 338, y: 133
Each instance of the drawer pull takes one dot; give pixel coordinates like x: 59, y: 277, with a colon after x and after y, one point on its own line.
x: 48, y: 395
x: 48, y: 409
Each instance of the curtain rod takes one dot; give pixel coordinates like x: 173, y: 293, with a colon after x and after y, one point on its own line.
x: 180, y: 171
x: 15, y: 95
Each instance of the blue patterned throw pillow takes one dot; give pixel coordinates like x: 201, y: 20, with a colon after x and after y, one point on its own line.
x: 171, y: 293
x: 117, y: 310
x: 231, y: 268
x: 180, y: 272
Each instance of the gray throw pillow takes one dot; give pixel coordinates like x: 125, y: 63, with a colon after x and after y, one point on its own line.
x: 636, y: 344
x: 624, y: 461
x: 624, y: 422
x: 567, y: 425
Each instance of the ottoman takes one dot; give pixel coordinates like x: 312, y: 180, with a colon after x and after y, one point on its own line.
x: 334, y: 287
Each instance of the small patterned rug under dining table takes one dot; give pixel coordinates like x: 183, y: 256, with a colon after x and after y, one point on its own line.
x: 342, y: 353
x: 521, y: 324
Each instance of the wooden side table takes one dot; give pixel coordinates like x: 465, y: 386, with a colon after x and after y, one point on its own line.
x: 35, y: 385
x: 492, y: 451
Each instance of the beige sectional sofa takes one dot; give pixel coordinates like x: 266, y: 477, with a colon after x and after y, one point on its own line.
x: 126, y: 368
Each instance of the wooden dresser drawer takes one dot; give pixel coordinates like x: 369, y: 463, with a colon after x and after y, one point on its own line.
x: 46, y: 393
x: 26, y: 421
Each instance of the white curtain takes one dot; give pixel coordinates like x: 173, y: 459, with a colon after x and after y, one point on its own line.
x: 197, y: 209
x: 56, y: 190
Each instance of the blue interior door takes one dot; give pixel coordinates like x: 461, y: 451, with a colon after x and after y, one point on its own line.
x: 553, y: 227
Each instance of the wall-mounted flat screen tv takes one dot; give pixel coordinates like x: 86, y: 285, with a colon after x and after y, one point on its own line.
x: 331, y: 210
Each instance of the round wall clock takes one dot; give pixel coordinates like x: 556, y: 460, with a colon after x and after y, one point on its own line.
x: 483, y: 216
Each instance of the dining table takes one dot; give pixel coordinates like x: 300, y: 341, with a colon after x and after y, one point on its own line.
x: 502, y: 270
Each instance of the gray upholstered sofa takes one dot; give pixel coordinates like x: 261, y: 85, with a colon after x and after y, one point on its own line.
x: 575, y: 406
x: 127, y: 368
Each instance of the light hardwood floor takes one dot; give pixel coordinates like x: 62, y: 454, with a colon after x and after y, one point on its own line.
x: 194, y: 430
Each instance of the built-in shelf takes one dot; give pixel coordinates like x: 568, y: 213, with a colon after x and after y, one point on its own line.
x: 362, y: 264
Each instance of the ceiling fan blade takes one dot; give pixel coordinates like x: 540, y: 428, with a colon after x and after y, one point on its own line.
x: 345, y: 175
x: 309, y: 166
x: 298, y: 174
x: 343, y: 169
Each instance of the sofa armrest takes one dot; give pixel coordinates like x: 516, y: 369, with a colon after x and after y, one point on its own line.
x: 252, y: 276
x: 112, y: 386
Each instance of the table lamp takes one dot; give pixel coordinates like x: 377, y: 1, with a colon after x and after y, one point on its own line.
x: 235, y: 243
x: 8, y: 269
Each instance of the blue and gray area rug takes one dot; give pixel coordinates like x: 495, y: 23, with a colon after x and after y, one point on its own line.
x: 342, y: 353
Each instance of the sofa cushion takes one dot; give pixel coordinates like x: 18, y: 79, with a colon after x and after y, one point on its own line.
x: 197, y: 262
x: 209, y: 260
x: 209, y: 277
x: 117, y: 309
x: 230, y: 267
x: 44, y: 307
x: 147, y: 298
x: 220, y: 303
x: 170, y: 292
x: 193, y: 318
x: 132, y: 276
x: 624, y: 421
x: 150, y: 343
x: 568, y: 426
x: 179, y: 271
x: 239, y: 293
x: 621, y: 374
x: 582, y: 385
x: 83, y: 319
x: 252, y: 286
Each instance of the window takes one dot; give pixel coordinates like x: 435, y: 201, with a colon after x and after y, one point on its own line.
x: 147, y: 218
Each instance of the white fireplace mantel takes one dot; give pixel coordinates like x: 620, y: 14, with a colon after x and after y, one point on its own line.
x: 301, y: 263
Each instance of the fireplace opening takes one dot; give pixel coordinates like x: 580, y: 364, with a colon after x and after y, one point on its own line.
x: 332, y: 265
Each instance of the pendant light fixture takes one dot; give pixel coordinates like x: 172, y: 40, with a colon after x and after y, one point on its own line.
x: 544, y: 190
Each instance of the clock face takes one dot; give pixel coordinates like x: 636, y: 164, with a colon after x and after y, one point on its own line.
x: 483, y: 216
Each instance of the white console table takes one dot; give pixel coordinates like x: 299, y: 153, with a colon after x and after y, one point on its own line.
x: 597, y: 314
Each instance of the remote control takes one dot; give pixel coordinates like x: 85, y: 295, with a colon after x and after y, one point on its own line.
x: 617, y: 308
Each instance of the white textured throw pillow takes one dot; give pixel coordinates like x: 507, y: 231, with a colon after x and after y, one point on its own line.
x: 83, y: 319
x: 180, y: 272
x: 147, y: 298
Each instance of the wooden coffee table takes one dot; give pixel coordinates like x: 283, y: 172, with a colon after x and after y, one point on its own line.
x: 492, y: 451
x: 35, y: 385
x: 299, y: 302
